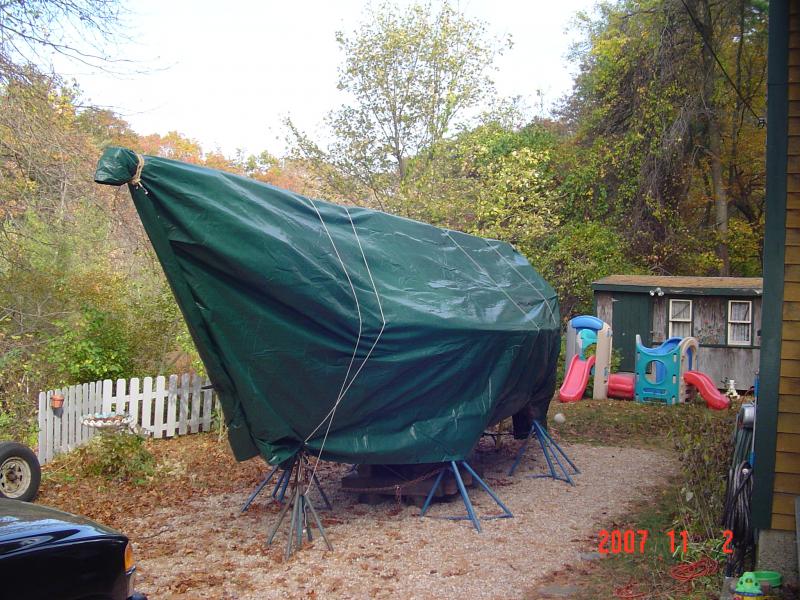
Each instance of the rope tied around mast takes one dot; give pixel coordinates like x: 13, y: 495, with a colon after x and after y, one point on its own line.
x: 136, y: 180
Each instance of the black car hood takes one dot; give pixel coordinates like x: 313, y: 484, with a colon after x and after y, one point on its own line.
x: 24, y: 520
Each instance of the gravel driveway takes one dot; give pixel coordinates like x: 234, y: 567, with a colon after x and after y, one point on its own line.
x: 206, y: 549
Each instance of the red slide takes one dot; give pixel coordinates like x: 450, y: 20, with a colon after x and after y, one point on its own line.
x: 576, y: 379
x: 707, y: 390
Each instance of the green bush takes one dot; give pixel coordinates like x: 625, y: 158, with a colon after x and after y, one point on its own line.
x: 17, y: 426
x: 117, y: 456
x: 74, y: 312
x: 703, y: 440
x: 576, y: 255
x: 91, y: 346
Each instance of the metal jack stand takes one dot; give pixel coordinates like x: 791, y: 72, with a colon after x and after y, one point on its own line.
x: 279, y: 491
x: 301, y: 508
x: 453, y: 466
x: 551, y: 451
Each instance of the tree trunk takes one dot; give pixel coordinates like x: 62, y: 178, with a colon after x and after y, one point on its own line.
x: 720, y: 195
x: 714, y: 134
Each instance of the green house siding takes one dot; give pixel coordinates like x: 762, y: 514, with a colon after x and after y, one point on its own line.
x: 774, y: 455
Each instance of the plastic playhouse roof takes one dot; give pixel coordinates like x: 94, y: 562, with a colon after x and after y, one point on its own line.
x: 357, y: 335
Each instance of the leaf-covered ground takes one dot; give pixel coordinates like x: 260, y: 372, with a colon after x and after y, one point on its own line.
x: 192, y: 542
x: 188, y: 467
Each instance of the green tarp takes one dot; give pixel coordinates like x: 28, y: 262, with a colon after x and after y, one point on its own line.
x: 385, y: 339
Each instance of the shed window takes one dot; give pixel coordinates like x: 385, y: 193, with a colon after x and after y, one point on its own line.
x: 680, y: 318
x: 740, y: 321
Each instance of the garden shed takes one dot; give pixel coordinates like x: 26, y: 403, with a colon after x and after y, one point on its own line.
x: 723, y: 313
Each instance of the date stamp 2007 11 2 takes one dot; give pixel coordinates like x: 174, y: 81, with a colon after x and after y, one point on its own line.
x: 634, y: 541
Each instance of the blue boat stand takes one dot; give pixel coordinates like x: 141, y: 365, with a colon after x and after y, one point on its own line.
x: 279, y: 491
x: 551, y: 451
x: 303, y: 513
x: 453, y: 466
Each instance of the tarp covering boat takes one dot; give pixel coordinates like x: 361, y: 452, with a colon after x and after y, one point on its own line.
x: 364, y: 336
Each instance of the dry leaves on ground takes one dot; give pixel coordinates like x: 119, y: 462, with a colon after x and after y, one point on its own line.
x: 192, y: 542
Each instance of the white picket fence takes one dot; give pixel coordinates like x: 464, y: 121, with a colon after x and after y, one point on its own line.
x: 162, y: 408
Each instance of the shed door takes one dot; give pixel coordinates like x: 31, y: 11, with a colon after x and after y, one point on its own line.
x: 631, y: 314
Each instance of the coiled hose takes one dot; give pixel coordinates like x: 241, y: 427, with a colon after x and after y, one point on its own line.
x: 736, y: 512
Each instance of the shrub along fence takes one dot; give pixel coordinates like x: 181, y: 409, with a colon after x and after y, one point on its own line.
x: 161, y: 407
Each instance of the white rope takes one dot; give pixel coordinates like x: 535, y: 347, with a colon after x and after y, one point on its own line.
x: 332, y: 413
x: 497, y: 285
x: 377, y: 298
x: 528, y: 281
x: 358, y: 309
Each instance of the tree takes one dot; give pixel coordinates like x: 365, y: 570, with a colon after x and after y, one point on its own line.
x: 77, y: 29
x: 708, y: 41
x: 81, y: 294
x: 492, y: 180
x: 667, y: 143
x: 578, y: 253
x: 410, y: 73
x: 41, y: 149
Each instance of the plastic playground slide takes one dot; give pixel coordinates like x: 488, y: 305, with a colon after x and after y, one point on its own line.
x: 576, y: 379
x: 707, y: 390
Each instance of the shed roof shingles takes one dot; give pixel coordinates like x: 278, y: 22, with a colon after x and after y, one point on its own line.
x: 687, y: 283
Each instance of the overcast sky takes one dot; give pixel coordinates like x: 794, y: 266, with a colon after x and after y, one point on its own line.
x: 228, y: 73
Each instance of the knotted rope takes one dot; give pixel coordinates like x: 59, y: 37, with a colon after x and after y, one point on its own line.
x: 136, y: 180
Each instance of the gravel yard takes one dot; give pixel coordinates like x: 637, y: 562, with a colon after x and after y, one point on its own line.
x: 202, y: 547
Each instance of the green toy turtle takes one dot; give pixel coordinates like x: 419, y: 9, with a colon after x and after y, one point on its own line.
x: 748, y: 587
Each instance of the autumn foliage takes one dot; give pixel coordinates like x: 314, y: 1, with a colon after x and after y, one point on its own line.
x: 654, y: 163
